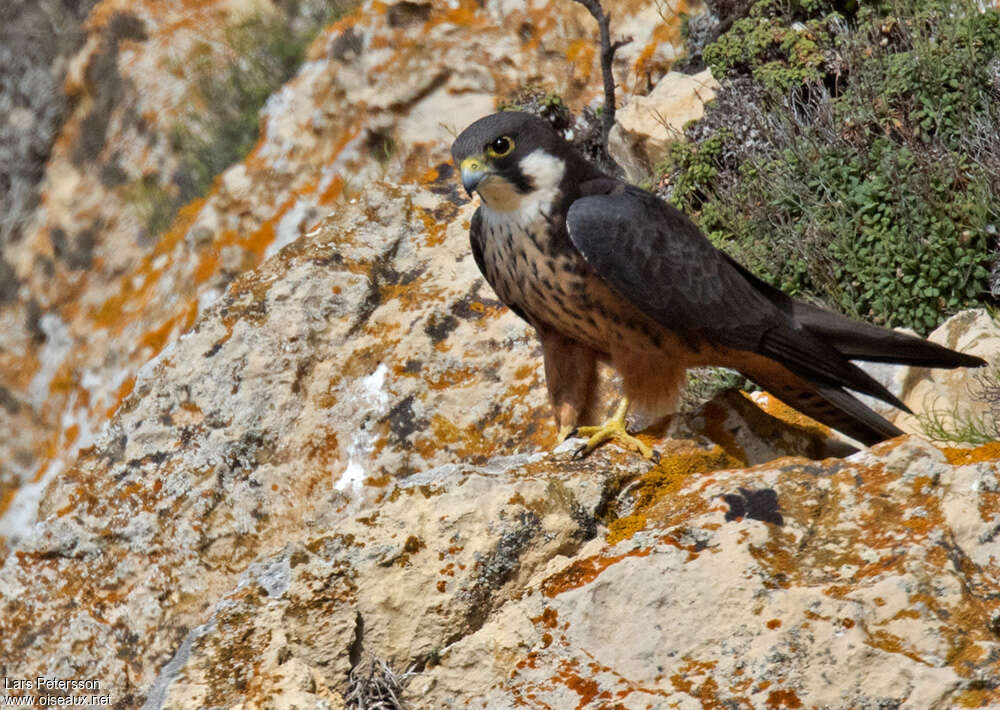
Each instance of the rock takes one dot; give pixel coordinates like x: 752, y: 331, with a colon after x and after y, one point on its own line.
x: 945, y: 393
x: 863, y: 582
x: 116, y: 293
x: 757, y: 428
x: 947, y: 399
x: 300, y: 468
x: 441, y: 552
x: 647, y: 125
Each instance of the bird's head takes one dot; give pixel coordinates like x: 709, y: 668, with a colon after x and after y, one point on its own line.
x: 511, y: 159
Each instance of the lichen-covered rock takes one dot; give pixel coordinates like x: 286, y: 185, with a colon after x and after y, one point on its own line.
x: 326, y: 441
x: 380, y: 96
x: 418, y: 570
x: 865, y: 582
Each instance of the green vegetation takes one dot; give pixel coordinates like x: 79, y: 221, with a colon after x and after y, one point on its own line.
x: 964, y: 427
x: 853, y: 154
x: 265, y: 51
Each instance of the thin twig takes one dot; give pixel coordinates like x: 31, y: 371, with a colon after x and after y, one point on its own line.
x: 608, y: 49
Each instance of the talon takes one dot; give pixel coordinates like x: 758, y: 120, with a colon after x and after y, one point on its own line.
x: 614, y: 428
x: 566, y: 432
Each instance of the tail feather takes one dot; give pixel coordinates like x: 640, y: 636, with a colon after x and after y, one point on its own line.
x: 857, y: 340
x: 815, y: 371
x: 834, y: 407
x: 816, y: 359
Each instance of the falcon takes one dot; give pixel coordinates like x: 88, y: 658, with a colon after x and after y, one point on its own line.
x: 606, y: 271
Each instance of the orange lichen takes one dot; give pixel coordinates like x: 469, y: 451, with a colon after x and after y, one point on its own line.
x: 6, y: 498
x: 581, y: 55
x: 208, y: 265
x: 960, y: 457
x: 157, y: 338
x: 779, y: 410
x: 665, y: 480
x: 664, y: 34
x: 137, y: 291
x: 333, y: 191
x: 783, y: 699
x: 549, y: 618
x: 625, y: 528
x: 706, y: 691
x: 583, y: 572
x: 977, y: 698
x: 124, y: 390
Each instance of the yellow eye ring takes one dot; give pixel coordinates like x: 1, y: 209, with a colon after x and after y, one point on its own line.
x: 501, y: 147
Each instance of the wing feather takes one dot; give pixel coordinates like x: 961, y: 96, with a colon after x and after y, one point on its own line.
x: 654, y: 256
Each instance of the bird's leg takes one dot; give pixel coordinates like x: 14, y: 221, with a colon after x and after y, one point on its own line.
x: 570, y: 368
x: 613, y: 428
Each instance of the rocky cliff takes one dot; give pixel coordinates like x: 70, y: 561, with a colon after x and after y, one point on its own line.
x: 290, y: 452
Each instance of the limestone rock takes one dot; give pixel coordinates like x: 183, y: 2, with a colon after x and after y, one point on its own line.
x: 949, y: 392
x: 308, y: 435
x: 647, y: 125
x: 381, y: 94
x: 431, y: 561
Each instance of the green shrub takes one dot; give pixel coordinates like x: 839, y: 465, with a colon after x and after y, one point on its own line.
x: 775, y: 46
x: 859, y: 164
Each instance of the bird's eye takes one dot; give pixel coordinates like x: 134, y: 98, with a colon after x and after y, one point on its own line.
x: 500, y: 147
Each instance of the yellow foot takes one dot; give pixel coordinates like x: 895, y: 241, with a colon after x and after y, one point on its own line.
x: 614, y: 428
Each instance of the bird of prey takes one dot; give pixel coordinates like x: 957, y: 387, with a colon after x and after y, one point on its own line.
x: 605, y: 271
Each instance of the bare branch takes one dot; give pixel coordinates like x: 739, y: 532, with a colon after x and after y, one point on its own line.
x: 608, y: 49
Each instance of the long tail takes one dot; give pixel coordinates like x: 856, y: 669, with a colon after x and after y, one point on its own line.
x: 818, y: 387
x: 861, y: 341
x: 857, y: 340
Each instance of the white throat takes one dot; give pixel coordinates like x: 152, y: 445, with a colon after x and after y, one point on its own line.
x: 503, y: 203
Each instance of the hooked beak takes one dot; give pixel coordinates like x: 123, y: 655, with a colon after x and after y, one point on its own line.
x: 473, y: 171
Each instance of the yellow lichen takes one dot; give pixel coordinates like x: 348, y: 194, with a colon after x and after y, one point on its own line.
x: 960, y: 457
x: 665, y: 479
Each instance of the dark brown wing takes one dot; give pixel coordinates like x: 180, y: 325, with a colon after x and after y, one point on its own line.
x: 658, y: 259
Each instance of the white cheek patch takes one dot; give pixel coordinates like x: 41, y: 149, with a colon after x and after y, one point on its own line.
x: 545, y: 171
